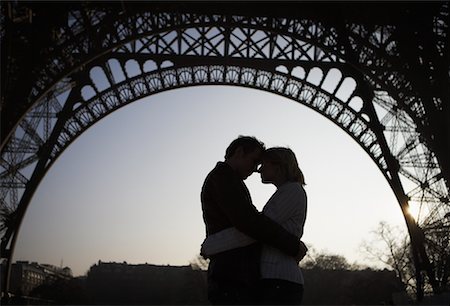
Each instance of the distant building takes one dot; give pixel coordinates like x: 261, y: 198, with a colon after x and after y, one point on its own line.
x: 122, y: 283
x: 26, y: 276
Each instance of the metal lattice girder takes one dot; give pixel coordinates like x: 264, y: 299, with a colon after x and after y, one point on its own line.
x: 83, y: 31
x: 398, y: 116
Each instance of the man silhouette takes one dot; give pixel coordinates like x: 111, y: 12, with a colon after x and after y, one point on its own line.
x: 233, y: 275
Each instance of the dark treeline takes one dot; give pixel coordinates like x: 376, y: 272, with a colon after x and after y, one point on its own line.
x: 120, y: 283
x: 352, y: 287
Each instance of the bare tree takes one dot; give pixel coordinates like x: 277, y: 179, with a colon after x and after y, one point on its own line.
x: 390, y: 246
x: 323, y: 260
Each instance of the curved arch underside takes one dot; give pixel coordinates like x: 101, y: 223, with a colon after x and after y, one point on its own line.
x: 89, y: 74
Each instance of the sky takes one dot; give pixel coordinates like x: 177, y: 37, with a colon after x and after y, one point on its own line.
x: 128, y: 189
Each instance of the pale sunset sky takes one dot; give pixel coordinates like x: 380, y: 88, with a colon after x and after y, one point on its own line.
x: 129, y: 188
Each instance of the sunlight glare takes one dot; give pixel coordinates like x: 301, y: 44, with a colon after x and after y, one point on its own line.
x: 416, y: 210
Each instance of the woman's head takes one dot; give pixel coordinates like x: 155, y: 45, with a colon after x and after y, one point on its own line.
x: 280, y: 164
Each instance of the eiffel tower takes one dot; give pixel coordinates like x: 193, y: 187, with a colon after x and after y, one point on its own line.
x: 393, y: 55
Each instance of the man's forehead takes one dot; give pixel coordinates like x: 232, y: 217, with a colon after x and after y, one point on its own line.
x: 256, y: 153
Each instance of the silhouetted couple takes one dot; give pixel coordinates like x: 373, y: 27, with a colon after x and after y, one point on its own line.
x: 254, y: 256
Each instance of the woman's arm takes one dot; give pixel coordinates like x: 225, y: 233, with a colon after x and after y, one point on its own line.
x: 225, y: 240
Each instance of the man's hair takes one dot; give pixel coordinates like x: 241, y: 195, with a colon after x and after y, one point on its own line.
x: 248, y: 144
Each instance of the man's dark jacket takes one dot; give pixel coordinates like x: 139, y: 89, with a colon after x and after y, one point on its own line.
x: 226, y: 202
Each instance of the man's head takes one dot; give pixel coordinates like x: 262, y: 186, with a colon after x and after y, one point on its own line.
x: 244, y: 155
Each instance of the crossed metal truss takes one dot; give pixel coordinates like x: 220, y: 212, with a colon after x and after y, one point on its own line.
x: 351, y: 73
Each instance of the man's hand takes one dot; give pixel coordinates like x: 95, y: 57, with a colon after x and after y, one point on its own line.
x: 301, y: 252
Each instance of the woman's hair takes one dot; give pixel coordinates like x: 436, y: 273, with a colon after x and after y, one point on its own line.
x: 248, y: 144
x: 287, y: 161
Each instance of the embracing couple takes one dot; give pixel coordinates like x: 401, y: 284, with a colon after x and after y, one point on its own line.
x: 254, y: 255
